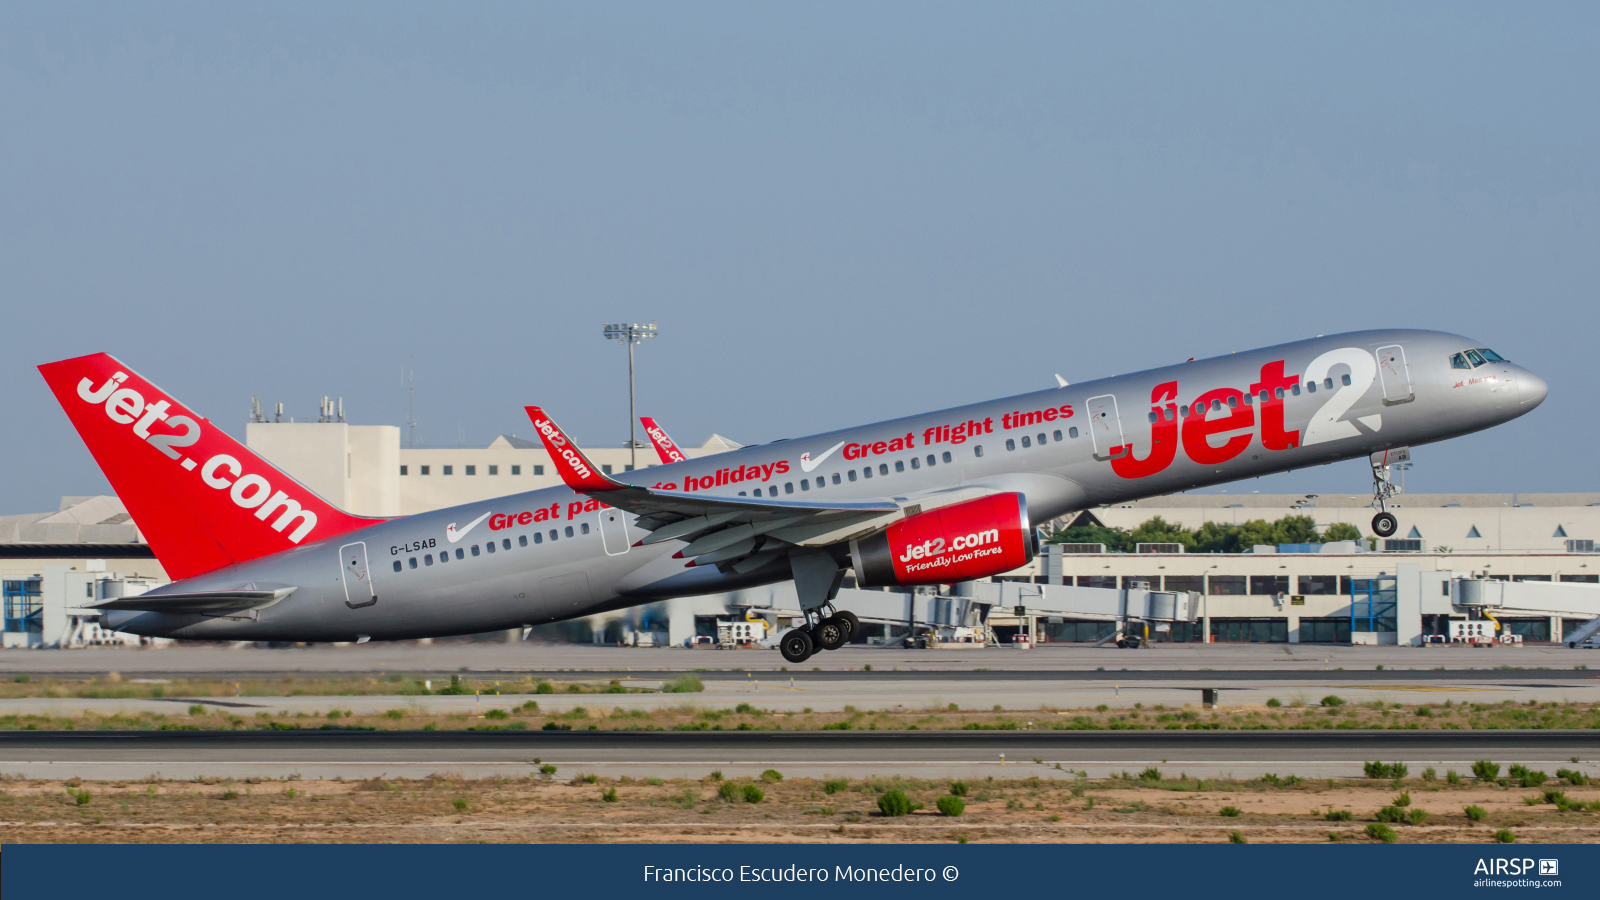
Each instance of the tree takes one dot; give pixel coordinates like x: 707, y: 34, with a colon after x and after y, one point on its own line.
x: 1160, y: 531
x: 1115, y: 539
x: 1341, y: 531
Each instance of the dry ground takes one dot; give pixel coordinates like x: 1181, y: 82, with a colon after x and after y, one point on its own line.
x: 541, y: 808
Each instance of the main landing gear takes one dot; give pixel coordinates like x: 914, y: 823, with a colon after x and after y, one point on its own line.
x: 817, y: 577
x: 1384, y: 523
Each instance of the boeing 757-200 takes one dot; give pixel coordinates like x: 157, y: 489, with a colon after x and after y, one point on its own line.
x: 935, y: 498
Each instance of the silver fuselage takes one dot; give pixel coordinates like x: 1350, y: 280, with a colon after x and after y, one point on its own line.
x: 1417, y: 400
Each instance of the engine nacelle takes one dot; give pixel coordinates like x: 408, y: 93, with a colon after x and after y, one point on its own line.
x: 972, y: 539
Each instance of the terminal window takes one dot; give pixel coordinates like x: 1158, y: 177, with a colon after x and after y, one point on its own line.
x: 538, y: 470
x: 423, y: 469
x: 1319, y: 584
x: 494, y: 470
x: 402, y: 470
x: 471, y: 470
x: 449, y: 470
x: 1225, y: 585
x: 24, y: 606
x: 1269, y: 584
x: 516, y: 470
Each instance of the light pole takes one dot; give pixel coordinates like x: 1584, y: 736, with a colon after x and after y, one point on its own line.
x: 631, y: 334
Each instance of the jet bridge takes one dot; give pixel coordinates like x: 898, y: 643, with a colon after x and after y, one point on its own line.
x: 1488, y: 599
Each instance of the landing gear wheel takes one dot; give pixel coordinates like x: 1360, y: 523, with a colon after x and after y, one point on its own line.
x: 852, y: 625
x: 1385, y: 524
x: 796, y: 646
x: 830, y: 633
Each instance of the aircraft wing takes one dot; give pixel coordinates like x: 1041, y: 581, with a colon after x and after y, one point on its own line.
x: 742, y: 532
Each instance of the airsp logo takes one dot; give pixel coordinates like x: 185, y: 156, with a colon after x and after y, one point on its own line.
x: 1549, y: 867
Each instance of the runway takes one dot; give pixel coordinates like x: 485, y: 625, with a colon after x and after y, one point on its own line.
x: 934, y: 754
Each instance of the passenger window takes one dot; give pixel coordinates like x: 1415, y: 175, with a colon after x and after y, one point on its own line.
x: 1216, y: 405
x: 883, y: 468
x: 506, y: 544
x: 1294, y: 389
x: 899, y: 465
x: 522, y: 540
x: 1490, y: 355
x: 1027, y: 441
x: 1057, y: 434
x: 474, y: 549
x: 866, y: 471
x: 583, y: 528
x: 397, y: 565
x: 1010, y: 444
x: 427, y: 559
x: 413, y: 562
x: 538, y: 537
x: 917, y: 463
x: 852, y: 474
x: 1232, y: 402
x: 1328, y: 383
x: 553, y: 534
x: 489, y: 546
x: 1265, y: 397
x: 977, y: 450
x: 1476, y: 359
x: 444, y: 556
x: 516, y: 470
x: 424, y: 470
x: 1311, y: 387
x: 472, y: 470
x: 1247, y: 399
x: 741, y: 493
x: 805, y: 484
x: 772, y: 491
x: 1345, y: 379
x: 788, y: 487
x: 836, y: 478
x: 460, y: 553
x: 1279, y: 393
x: 1072, y: 432
x: 1154, y: 417
x: 1041, y: 440
x: 946, y: 456
x: 569, y: 531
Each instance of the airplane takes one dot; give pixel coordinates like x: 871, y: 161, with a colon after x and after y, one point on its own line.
x: 934, y: 498
x: 665, y: 448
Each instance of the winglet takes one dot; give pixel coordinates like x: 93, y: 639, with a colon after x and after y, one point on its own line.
x: 1061, y: 382
x: 665, y: 448
x: 575, y: 468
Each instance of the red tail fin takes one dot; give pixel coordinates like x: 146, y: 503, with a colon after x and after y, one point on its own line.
x: 665, y: 448
x: 200, y: 498
x: 575, y: 468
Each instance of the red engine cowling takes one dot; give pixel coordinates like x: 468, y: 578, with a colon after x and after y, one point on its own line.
x: 962, y: 541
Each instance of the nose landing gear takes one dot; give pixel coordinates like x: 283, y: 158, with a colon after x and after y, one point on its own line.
x: 1384, y: 523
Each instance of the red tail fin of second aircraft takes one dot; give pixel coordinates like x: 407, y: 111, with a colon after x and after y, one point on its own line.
x: 200, y: 498
x: 665, y: 448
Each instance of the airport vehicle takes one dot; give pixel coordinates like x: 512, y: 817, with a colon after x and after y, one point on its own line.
x: 936, y: 498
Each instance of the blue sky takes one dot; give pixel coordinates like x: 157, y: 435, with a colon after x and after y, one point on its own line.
x: 837, y: 212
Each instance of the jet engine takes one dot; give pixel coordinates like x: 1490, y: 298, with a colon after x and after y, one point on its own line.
x: 972, y: 539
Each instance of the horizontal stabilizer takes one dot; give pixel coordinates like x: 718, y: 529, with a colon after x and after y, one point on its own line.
x: 205, y: 603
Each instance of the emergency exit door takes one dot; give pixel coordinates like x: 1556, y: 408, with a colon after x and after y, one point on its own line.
x: 1105, y: 427
x: 358, y: 589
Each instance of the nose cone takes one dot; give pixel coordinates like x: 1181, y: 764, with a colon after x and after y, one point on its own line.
x: 1531, y: 390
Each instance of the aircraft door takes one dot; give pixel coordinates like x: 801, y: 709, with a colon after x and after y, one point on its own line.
x: 358, y: 589
x: 614, y: 531
x: 1395, y: 374
x: 1105, y: 427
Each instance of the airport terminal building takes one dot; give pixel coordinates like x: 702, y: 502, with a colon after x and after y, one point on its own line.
x: 1343, y: 592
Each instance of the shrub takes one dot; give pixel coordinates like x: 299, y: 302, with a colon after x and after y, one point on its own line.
x: 1476, y: 813
x: 23, y: 679
x: 547, y: 769
x: 1274, y: 702
x: 1340, y: 815
x: 1429, y: 775
x: 1332, y: 700
x: 398, y: 714
x: 772, y: 775
x: 490, y: 714
x: 1235, y: 837
x: 83, y: 797
x: 684, y: 684
x: 196, y: 709
x: 230, y: 795
x: 895, y: 803
x: 532, y: 706
x: 1527, y: 777
x: 460, y: 803
x: 958, y: 788
x: 556, y: 726
x: 951, y: 805
x: 609, y: 795
x: 753, y: 794
x: 544, y: 687
x: 1150, y: 774
x: 1573, y: 777
x: 589, y: 779
x: 1380, y: 832
x: 1377, y: 769
x: 1403, y: 799
x: 835, y: 786
x: 1231, y: 812
x: 1452, y: 776
x: 1416, y: 817
x: 729, y: 792
x: 1504, y: 836
x: 716, y: 775
x: 1484, y: 770
x: 1391, y: 814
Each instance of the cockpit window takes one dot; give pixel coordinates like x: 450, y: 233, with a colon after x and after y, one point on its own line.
x: 1490, y: 355
x: 1459, y: 361
x: 1476, y: 359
